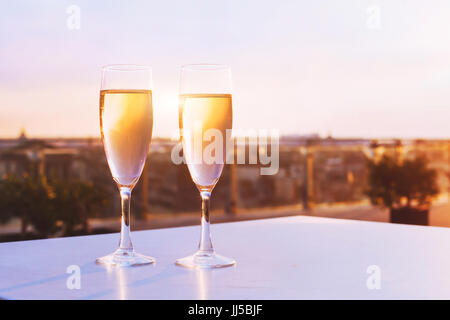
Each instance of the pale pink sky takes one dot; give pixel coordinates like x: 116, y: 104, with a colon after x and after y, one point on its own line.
x: 298, y: 66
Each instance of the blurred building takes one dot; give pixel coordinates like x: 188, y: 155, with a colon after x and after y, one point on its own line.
x: 311, y: 171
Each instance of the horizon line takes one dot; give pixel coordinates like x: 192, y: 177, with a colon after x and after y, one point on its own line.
x: 310, y: 135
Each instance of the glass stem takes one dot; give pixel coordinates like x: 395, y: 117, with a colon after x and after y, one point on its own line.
x: 205, y: 245
x: 125, y: 237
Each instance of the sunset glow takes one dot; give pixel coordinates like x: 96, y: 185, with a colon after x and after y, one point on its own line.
x: 301, y: 67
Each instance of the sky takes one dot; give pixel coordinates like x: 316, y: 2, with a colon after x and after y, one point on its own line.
x: 346, y: 68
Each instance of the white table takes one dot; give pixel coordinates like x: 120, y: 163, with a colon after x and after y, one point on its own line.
x: 284, y: 258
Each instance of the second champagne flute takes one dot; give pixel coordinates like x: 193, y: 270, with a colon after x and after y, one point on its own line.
x: 205, y: 114
x: 126, y: 122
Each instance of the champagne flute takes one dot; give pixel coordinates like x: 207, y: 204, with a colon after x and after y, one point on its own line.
x: 126, y: 123
x: 205, y: 111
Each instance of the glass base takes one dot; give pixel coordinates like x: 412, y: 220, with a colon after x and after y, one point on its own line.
x: 124, y: 258
x: 202, y: 260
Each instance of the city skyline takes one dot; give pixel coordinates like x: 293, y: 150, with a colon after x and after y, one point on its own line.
x: 324, y: 68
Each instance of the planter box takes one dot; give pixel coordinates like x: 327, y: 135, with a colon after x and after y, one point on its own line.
x: 410, y: 216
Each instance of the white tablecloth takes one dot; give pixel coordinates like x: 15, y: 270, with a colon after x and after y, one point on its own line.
x: 285, y: 258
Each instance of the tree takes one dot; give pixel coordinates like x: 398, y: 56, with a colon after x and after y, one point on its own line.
x: 407, y: 185
x: 30, y: 199
x: 9, y: 190
x: 43, y: 205
x: 75, y: 202
x: 37, y: 197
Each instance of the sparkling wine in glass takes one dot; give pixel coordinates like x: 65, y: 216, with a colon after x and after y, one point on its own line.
x: 206, y: 114
x: 126, y: 123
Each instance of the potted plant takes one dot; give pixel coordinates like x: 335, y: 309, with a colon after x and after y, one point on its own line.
x: 407, y: 188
